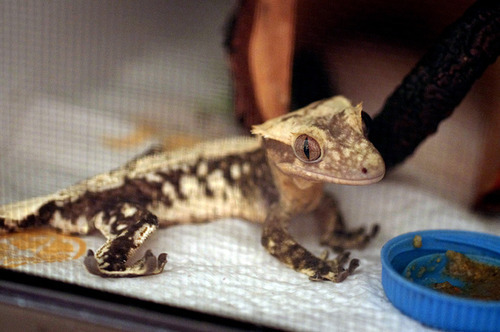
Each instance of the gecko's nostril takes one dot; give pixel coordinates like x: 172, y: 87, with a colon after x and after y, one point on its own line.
x: 364, y: 170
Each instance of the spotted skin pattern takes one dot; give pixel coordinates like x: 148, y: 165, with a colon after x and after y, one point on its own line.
x: 268, y: 179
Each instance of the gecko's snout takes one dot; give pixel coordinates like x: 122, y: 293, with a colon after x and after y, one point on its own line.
x: 371, y: 170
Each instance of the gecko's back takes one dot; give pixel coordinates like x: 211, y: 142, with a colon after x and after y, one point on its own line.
x: 226, y: 178
x: 223, y: 178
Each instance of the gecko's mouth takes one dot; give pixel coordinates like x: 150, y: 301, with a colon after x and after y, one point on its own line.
x: 363, y: 177
x: 361, y: 181
x: 352, y: 181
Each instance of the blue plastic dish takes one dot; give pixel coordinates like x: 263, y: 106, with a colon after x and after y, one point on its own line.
x: 407, y: 288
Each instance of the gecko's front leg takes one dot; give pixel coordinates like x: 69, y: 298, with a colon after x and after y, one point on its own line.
x: 126, y: 227
x: 277, y: 240
x: 334, y: 233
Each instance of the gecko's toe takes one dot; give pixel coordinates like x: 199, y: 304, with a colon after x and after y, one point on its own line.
x: 353, y: 265
x: 149, y: 263
x: 374, y: 231
x: 91, y: 263
x: 342, y: 258
x: 162, y: 260
x: 341, y: 276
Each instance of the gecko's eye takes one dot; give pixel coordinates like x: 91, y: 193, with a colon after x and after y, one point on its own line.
x: 367, y: 123
x: 307, y: 149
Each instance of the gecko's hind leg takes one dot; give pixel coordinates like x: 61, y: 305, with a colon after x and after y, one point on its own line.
x: 334, y: 232
x: 126, y: 227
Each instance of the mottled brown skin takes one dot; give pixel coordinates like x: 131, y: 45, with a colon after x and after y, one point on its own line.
x: 267, y: 180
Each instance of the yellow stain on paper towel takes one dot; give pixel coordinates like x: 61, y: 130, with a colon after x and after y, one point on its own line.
x: 39, y: 246
x: 144, y: 132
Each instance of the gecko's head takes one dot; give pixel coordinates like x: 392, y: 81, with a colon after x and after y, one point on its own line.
x: 325, y: 142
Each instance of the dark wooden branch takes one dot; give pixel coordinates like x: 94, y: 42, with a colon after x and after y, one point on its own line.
x: 438, y: 83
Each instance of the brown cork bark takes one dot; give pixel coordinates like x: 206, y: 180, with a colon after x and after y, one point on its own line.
x: 260, y: 43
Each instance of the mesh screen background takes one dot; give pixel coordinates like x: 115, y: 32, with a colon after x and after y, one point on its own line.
x: 77, y: 73
x: 79, y: 77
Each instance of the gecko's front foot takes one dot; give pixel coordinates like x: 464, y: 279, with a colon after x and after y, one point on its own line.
x: 147, y: 265
x: 333, y: 269
x: 341, y: 240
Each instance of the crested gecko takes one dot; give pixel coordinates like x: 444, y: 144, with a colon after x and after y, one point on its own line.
x: 266, y: 179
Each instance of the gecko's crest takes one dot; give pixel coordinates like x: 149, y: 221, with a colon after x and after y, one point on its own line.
x: 285, y: 128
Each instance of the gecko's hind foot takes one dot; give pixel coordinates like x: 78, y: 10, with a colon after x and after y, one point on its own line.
x: 357, y: 239
x: 333, y: 269
x: 147, y: 265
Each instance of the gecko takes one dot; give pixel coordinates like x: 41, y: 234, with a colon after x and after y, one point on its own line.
x: 269, y: 178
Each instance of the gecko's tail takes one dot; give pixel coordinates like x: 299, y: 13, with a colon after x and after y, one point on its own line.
x: 30, y: 213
